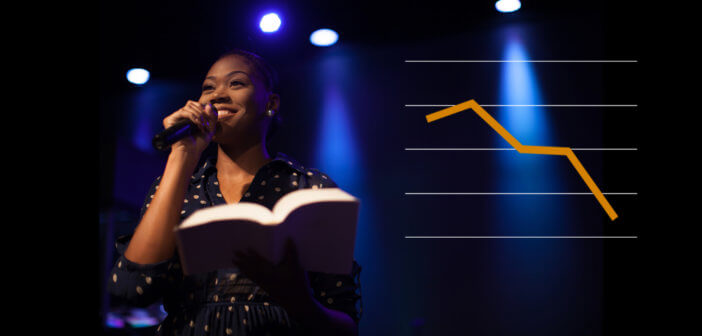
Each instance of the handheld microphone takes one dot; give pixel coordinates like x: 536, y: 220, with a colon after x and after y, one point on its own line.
x: 184, y: 128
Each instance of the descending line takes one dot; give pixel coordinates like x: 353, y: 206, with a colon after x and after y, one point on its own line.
x: 546, y: 150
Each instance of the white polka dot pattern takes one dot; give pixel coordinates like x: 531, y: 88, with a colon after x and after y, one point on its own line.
x: 274, y: 180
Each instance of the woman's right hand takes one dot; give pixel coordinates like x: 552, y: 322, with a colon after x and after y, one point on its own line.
x: 205, y: 117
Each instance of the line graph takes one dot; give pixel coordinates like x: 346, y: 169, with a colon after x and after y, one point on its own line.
x: 525, y: 149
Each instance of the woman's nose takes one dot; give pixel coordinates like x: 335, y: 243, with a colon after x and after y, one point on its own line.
x: 218, y: 96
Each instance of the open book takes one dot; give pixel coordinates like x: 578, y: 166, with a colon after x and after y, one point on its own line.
x: 321, y: 222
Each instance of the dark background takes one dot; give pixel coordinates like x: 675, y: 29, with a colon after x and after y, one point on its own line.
x: 344, y: 113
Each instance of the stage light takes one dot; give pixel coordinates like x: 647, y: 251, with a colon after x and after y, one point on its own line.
x: 138, y: 76
x: 114, y: 321
x: 270, y: 23
x: 324, y: 37
x: 141, y: 318
x: 507, y: 6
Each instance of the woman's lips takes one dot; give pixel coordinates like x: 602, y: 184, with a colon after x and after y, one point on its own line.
x: 224, y: 113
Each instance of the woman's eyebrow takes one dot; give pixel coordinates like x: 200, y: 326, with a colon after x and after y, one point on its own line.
x: 227, y: 75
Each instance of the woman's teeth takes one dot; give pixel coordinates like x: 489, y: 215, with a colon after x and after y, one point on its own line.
x: 223, y: 113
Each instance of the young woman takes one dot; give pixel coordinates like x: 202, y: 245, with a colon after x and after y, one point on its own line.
x: 254, y: 297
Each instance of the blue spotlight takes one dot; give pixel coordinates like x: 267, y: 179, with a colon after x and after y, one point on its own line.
x: 324, y: 37
x: 337, y: 149
x: 270, y: 23
x: 508, y: 6
x: 138, y: 76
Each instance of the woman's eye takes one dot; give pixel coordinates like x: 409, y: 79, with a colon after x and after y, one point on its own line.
x: 207, y: 87
x: 237, y: 83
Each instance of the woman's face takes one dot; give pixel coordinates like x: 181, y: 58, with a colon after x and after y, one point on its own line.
x: 240, y: 98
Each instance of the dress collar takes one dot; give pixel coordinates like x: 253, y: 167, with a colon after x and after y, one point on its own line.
x: 289, y: 161
x: 210, y: 165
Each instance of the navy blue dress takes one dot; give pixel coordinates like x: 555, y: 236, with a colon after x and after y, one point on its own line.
x: 225, y: 302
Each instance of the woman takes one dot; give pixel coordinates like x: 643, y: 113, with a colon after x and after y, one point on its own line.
x: 254, y: 297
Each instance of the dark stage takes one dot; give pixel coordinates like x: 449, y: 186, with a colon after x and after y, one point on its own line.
x: 459, y: 233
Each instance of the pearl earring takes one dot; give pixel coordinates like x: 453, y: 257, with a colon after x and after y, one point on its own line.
x: 270, y: 113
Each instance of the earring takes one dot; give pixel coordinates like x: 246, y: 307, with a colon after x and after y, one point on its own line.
x: 270, y: 113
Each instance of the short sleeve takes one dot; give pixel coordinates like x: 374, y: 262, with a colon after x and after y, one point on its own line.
x: 140, y: 284
x: 340, y: 292
x: 316, y: 179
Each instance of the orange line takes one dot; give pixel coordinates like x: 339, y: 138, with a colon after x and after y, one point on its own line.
x: 547, y: 150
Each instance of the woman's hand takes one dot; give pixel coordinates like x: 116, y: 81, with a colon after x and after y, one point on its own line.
x: 204, y: 116
x: 285, y: 282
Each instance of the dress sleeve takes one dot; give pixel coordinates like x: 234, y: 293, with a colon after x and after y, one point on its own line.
x: 340, y: 292
x: 140, y: 284
x: 316, y: 179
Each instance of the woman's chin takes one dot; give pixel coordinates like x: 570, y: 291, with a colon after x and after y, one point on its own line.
x: 222, y: 138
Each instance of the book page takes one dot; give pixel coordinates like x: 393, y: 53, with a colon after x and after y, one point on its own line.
x: 324, y: 234
x: 321, y: 222
x: 207, y: 247
x: 298, y: 198
x: 244, y: 211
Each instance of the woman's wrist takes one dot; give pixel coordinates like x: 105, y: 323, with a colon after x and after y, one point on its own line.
x: 183, y: 157
x: 180, y: 166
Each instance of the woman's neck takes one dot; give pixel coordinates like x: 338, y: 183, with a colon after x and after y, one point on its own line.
x: 237, y: 163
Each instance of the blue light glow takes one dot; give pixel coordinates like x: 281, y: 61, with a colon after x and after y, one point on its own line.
x: 519, y: 87
x: 529, y: 215
x: 507, y: 6
x: 144, y: 117
x: 138, y: 76
x: 337, y: 148
x: 142, y: 321
x: 530, y: 126
x: 324, y: 37
x: 114, y: 321
x: 141, y: 318
x: 270, y: 23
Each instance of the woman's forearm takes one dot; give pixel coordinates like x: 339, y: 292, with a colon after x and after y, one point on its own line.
x: 153, y: 240
x: 320, y: 320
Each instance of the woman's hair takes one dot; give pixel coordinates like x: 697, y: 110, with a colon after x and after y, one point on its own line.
x: 269, y: 76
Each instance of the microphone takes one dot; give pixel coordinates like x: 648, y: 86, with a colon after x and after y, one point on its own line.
x: 184, y: 128
x: 181, y: 129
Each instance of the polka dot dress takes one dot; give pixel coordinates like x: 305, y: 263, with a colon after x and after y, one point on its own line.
x: 224, y: 302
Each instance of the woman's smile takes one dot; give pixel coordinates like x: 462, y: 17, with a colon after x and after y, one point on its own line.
x: 223, y: 113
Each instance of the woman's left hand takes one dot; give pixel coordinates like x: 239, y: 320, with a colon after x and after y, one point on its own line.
x: 285, y: 282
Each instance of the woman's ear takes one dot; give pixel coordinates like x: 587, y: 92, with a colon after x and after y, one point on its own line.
x: 273, y: 102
